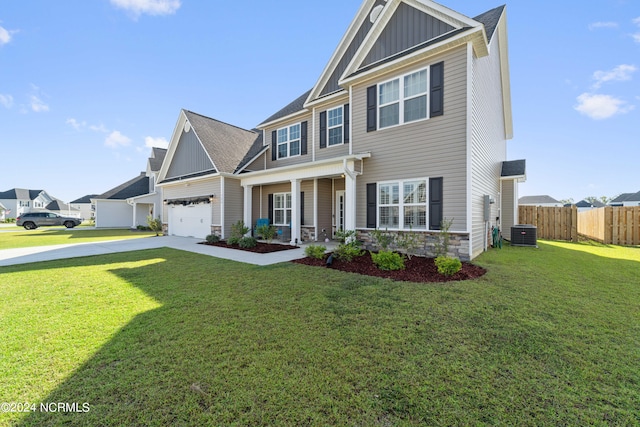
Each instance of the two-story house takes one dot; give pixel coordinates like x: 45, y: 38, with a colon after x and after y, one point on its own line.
x: 405, y: 127
x: 21, y: 200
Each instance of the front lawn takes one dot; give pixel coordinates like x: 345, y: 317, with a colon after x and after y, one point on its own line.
x: 548, y: 336
x: 47, y: 236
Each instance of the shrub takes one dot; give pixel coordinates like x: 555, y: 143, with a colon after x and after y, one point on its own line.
x: 383, y: 239
x: 315, y: 251
x: 233, y: 240
x: 155, y: 224
x: 247, y: 242
x: 267, y: 232
x: 448, y: 266
x: 409, y: 242
x: 212, y: 238
x: 388, y: 260
x: 442, y: 244
x: 238, y: 230
x: 349, y: 247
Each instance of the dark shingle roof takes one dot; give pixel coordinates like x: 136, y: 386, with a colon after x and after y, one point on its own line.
x: 585, y: 204
x: 293, y: 107
x: 59, y: 205
x: 157, y: 157
x: 514, y: 168
x: 534, y: 200
x: 256, y: 148
x: 226, y: 144
x: 624, y: 197
x: 490, y: 20
x: 132, y: 188
x: 85, y: 199
x: 20, y: 194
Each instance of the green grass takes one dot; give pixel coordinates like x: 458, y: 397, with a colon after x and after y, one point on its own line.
x: 47, y: 236
x: 548, y: 336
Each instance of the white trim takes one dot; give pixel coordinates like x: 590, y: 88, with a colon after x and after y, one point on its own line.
x: 469, y: 136
x: 222, y: 200
x: 402, y: 99
x: 283, y: 119
x: 350, y: 120
x: 253, y: 159
x: 313, y: 135
x: 401, y: 203
x: 315, y: 207
x: 289, y: 141
x: 341, y: 126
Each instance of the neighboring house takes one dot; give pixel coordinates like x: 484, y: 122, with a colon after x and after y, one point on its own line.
x: 626, y: 199
x: 112, y: 209
x: 61, y: 208
x: 584, y: 205
x: 84, y: 205
x: 407, y: 126
x: 545, y: 201
x: 150, y: 203
x: 19, y: 200
x: 3, y: 212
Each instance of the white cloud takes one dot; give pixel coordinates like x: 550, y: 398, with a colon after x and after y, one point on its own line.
x: 5, y: 36
x: 600, y: 107
x: 75, y: 124
x: 637, y: 21
x: 636, y: 36
x: 6, y: 100
x: 149, y: 7
x: 116, y: 139
x: 99, y: 128
x: 609, y: 24
x: 38, y: 105
x: 619, y: 74
x: 151, y: 142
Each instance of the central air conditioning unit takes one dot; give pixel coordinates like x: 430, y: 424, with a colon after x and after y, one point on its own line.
x: 524, y: 235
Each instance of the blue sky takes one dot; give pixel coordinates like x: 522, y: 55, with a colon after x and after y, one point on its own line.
x: 86, y: 87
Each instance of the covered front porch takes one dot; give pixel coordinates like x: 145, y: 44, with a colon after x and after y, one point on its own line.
x: 310, y: 201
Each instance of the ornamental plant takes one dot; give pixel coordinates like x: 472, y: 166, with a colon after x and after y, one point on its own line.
x: 315, y: 251
x: 267, y: 232
x: 349, y: 247
x: 448, y: 266
x: 212, y: 238
x: 388, y: 260
x: 247, y: 242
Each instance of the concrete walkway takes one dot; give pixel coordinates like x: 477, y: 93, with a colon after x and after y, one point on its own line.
x: 48, y: 253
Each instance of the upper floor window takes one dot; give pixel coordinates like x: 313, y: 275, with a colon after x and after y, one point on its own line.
x: 403, y: 100
x: 289, y: 141
x: 335, y: 117
x: 24, y: 204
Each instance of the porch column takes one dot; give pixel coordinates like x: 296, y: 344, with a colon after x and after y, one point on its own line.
x: 295, y: 211
x: 135, y: 214
x: 350, y: 199
x: 248, y: 198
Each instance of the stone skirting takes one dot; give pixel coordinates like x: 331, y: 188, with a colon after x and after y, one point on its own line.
x: 308, y: 234
x: 458, y: 243
x: 217, y: 230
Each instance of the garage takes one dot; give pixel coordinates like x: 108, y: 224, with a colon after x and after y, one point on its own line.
x: 190, y: 221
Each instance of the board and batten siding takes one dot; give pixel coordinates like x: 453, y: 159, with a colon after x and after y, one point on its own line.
x: 271, y: 164
x: 233, y: 204
x: 488, y: 141
x: 189, y: 157
x: 196, y: 188
x: 430, y: 148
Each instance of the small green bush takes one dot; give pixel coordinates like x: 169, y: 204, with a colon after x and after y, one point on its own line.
x: 247, y: 242
x: 212, y: 238
x: 267, y: 232
x: 388, y: 260
x: 155, y: 224
x: 239, y: 229
x: 448, y: 266
x: 233, y: 240
x: 347, y: 252
x: 315, y: 251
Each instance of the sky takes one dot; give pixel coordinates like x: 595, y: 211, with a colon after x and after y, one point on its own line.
x: 87, y: 87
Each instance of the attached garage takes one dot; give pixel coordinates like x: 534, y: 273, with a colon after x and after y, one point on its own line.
x: 190, y: 221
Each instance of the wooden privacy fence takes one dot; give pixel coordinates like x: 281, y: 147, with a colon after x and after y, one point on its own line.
x: 551, y: 223
x: 612, y: 225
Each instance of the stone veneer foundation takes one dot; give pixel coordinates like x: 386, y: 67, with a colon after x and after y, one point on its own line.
x: 458, y: 243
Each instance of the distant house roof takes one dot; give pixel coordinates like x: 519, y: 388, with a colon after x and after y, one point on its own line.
x: 537, y: 200
x: 156, y: 159
x: 85, y: 199
x: 59, y: 205
x: 514, y: 168
x: 586, y: 204
x: 132, y: 188
x: 20, y: 194
x: 227, y: 145
x: 624, y: 197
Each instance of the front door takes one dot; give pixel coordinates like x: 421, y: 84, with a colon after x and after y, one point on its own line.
x: 340, y: 198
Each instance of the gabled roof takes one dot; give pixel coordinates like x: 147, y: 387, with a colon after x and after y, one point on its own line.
x: 256, y: 149
x: 624, y: 197
x: 585, y: 204
x: 490, y: 20
x: 225, y: 144
x: 535, y: 200
x: 85, y: 199
x: 59, y: 205
x: 20, y: 194
x: 294, y: 107
x: 132, y: 188
x: 156, y: 159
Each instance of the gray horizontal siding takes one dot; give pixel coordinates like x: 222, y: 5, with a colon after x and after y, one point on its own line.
x: 233, y: 203
x: 335, y: 150
x: 427, y: 149
x: 289, y: 160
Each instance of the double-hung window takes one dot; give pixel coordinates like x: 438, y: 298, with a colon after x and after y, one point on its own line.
x: 289, y: 141
x: 282, y: 208
x: 335, y: 119
x: 403, y: 205
x: 403, y: 100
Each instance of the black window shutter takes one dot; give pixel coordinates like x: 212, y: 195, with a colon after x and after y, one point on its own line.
x: 372, y: 205
x: 323, y: 129
x: 302, y: 208
x: 303, y: 138
x: 435, y: 203
x: 270, y: 207
x: 274, y: 145
x: 437, y: 89
x: 345, y: 122
x: 372, y: 107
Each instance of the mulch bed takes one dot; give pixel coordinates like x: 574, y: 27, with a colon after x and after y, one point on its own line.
x: 260, y: 248
x: 418, y: 269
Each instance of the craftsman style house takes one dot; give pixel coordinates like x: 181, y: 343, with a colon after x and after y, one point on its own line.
x: 406, y: 126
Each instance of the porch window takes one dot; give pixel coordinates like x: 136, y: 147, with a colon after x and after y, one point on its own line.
x: 335, y: 126
x: 403, y: 205
x: 289, y: 141
x: 282, y: 208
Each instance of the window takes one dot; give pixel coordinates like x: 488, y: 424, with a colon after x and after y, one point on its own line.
x: 24, y: 204
x: 335, y: 126
x: 403, y: 100
x: 289, y: 141
x: 282, y: 208
x: 403, y: 205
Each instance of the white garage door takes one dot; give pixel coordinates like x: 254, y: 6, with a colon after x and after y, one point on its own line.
x: 190, y: 221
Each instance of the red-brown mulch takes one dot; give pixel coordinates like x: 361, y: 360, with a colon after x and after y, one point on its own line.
x: 418, y: 269
x: 260, y: 248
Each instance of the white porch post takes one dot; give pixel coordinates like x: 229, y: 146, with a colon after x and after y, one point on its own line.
x: 295, y: 211
x: 135, y: 214
x: 350, y: 196
x: 248, y: 197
